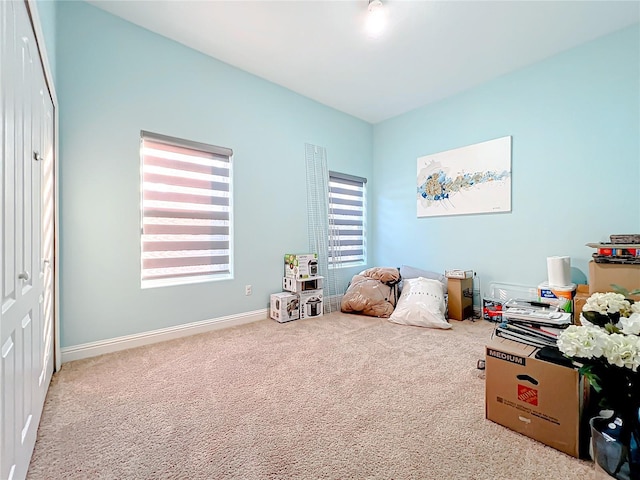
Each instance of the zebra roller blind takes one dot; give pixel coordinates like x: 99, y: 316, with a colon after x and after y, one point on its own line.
x: 186, y: 211
x: 347, y: 207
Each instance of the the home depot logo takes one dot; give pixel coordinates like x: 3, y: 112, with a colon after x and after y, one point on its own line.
x: 528, y: 395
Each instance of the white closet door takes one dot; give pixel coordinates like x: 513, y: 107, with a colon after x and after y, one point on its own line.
x: 47, y: 189
x: 24, y: 365
x: 10, y: 321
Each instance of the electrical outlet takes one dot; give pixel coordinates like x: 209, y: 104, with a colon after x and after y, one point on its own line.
x: 248, y: 290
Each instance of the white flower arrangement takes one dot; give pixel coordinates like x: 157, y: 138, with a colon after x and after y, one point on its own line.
x: 618, y: 342
x: 607, y: 345
x: 607, y: 303
x: 582, y: 341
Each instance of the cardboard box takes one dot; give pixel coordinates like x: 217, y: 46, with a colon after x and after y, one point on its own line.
x: 582, y: 293
x: 539, y: 399
x: 285, y: 307
x: 300, y: 265
x: 297, y: 286
x: 311, y: 304
x: 603, y: 275
x: 460, y: 298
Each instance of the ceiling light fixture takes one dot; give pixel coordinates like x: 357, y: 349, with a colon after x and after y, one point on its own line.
x: 376, y: 18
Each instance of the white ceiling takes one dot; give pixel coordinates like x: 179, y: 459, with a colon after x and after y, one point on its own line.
x: 429, y: 51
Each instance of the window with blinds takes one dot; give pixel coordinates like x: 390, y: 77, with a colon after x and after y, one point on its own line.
x: 186, y: 211
x: 347, y: 219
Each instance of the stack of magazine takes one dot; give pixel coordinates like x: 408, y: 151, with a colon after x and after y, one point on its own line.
x: 533, y: 323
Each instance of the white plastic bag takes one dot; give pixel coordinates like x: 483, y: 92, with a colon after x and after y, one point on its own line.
x: 421, y: 304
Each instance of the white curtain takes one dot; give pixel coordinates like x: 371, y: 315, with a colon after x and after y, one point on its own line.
x: 320, y: 223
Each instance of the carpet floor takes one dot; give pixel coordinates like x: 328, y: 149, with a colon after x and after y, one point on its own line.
x: 337, y: 397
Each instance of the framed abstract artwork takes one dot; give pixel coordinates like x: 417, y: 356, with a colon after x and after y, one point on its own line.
x: 466, y: 180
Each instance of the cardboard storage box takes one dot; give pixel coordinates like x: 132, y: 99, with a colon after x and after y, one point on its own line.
x: 603, y: 275
x: 285, y: 307
x: 539, y: 399
x: 311, y: 304
x: 294, y: 285
x: 582, y: 294
x: 300, y: 265
x: 460, y: 298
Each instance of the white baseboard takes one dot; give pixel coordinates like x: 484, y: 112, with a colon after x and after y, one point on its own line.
x: 93, y: 349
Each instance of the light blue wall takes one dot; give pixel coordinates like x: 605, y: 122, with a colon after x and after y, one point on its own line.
x: 47, y: 14
x: 575, y: 123
x: 115, y: 79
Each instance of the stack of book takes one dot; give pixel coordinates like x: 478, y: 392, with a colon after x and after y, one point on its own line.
x: 533, y: 323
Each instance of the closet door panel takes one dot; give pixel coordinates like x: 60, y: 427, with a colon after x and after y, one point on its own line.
x: 7, y: 246
x: 11, y: 340
x: 24, y: 369
x: 47, y: 211
x: 10, y: 120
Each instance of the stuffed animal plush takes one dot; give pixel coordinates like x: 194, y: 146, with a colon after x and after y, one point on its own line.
x: 372, y: 292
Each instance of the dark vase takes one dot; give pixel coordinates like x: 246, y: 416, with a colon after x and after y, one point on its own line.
x: 615, y: 442
x: 616, y: 435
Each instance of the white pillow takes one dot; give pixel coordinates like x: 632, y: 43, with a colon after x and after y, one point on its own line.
x: 422, y: 304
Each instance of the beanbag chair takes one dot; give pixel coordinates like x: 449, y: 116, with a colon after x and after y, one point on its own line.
x: 372, y: 292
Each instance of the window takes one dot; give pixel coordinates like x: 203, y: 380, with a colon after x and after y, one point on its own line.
x: 347, y: 215
x: 186, y: 211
